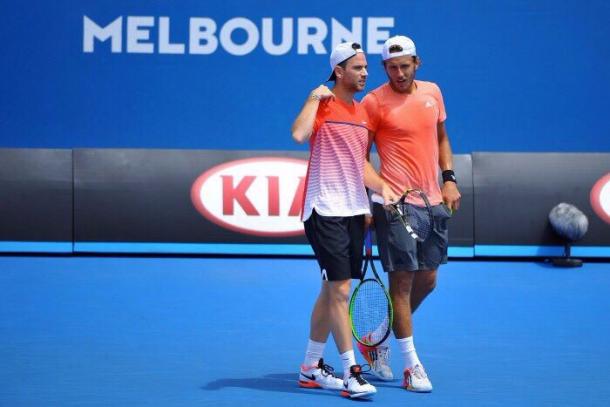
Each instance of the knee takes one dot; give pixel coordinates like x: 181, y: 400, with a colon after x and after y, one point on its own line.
x: 429, y: 284
x: 401, y: 286
x: 339, y: 291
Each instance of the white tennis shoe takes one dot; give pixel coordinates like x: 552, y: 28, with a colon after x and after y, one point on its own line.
x: 355, y: 386
x: 320, y: 376
x: 378, y: 357
x: 416, y: 379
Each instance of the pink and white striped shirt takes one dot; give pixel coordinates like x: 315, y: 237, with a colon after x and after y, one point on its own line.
x: 335, y: 175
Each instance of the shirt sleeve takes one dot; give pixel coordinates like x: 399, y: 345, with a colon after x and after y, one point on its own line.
x: 371, y: 105
x: 320, y: 115
x: 442, y: 114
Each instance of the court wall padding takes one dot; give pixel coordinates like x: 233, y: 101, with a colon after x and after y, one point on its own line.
x: 36, y: 200
x: 516, y: 191
x: 247, y: 202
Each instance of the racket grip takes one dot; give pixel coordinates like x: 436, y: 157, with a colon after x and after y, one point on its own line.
x: 368, y: 243
x: 377, y: 198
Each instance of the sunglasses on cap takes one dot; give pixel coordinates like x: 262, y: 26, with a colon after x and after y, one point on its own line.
x: 395, y: 48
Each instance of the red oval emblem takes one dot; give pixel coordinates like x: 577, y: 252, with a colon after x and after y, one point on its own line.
x: 259, y: 196
x: 600, y: 198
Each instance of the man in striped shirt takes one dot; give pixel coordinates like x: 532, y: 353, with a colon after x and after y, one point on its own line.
x: 334, y: 207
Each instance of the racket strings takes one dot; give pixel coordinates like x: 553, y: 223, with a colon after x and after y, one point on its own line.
x: 416, y: 214
x: 419, y: 219
x: 370, y: 307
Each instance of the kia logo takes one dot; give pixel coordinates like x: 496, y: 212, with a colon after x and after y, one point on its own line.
x: 260, y: 196
x: 600, y: 198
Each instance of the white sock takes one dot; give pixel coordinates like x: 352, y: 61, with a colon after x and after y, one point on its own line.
x: 313, y: 353
x: 348, y: 359
x: 407, y: 350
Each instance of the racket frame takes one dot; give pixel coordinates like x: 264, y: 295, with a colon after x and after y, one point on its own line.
x: 396, y: 208
x: 368, y: 260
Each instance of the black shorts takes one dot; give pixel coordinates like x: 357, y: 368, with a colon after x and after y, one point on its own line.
x: 400, y: 252
x: 337, y: 242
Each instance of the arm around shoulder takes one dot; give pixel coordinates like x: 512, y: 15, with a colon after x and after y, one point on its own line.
x: 303, y: 125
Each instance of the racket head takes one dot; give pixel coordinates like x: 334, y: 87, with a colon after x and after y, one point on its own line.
x: 371, y: 313
x: 415, y: 213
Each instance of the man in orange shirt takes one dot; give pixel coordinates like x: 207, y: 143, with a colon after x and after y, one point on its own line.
x: 334, y: 208
x: 407, y: 121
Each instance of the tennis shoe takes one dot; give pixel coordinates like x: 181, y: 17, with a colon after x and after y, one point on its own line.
x: 355, y: 386
x: 320, y: 376
x: 378, y: 357
x: 416, y: 379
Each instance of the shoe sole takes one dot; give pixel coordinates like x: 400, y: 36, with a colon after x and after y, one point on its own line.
x: 383, y: 379
x: 315, y: 385
x: 366, y: 394
x: 417, y: 391
x: 309, y: 385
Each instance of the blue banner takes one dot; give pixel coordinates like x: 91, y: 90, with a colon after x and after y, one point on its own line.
x: 516, y: 75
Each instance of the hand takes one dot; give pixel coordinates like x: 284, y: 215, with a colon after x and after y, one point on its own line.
x: 451, y: 195
x: 368, y: 223
x: 388, y: 195
x: 321, y: 92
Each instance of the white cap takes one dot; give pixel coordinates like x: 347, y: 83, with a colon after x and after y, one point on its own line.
x: 342, y: 52
x: 404, y: 46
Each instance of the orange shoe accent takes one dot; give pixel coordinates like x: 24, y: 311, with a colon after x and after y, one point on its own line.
x: 309, y: 385
x: 344, y: 393
x: 366, y: 352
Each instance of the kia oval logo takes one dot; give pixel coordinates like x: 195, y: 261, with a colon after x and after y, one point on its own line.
x: 260, y: 196
x: 600, y: 198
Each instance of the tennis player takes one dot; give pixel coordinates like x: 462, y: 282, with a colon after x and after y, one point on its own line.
x: 334, y: 209
x: 407, y: 118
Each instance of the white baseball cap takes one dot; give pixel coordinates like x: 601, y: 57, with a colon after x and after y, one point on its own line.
x: 397, y: 46
x: 342, y: 52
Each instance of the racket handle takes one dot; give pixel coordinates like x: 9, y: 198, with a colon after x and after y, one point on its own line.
x: 377, y: 198
x: 368, y: 243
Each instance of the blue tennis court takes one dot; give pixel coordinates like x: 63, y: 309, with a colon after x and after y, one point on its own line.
x: 91, y: 331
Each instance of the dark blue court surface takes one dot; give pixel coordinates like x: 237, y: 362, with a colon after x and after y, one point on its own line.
x: 232, y: 332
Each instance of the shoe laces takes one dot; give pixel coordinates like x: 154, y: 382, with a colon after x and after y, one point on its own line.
x: 356, y: 373
x: 327, y: 370
x: 419, y: 372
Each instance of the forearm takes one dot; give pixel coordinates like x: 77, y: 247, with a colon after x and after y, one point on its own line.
x: 303, y: 124
x: 445, y: 156
x: 449, y: 190
x: 372, y: 180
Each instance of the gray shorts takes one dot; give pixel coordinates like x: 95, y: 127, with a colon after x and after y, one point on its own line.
x: 400, y: 252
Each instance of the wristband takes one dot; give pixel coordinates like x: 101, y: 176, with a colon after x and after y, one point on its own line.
x: 449, y: 176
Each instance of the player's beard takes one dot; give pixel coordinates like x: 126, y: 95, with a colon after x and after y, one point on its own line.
x: 404, y: 85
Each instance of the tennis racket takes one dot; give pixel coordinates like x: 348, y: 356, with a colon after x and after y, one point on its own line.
x: 417, y: 220
x: 370, y: 308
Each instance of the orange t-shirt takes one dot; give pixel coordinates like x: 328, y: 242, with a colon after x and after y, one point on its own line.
x: 405, y: 127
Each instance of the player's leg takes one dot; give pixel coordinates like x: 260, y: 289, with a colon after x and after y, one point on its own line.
x: 424, y: 283
x: 319, y: 327
x: 353, y: 385
x: 401, y: 283
x: 331, y: 238
x: 314, y: 373
x: 347, y: 264
x: 431, y: 254
x: 338, y: 296
x: 401, y: 287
